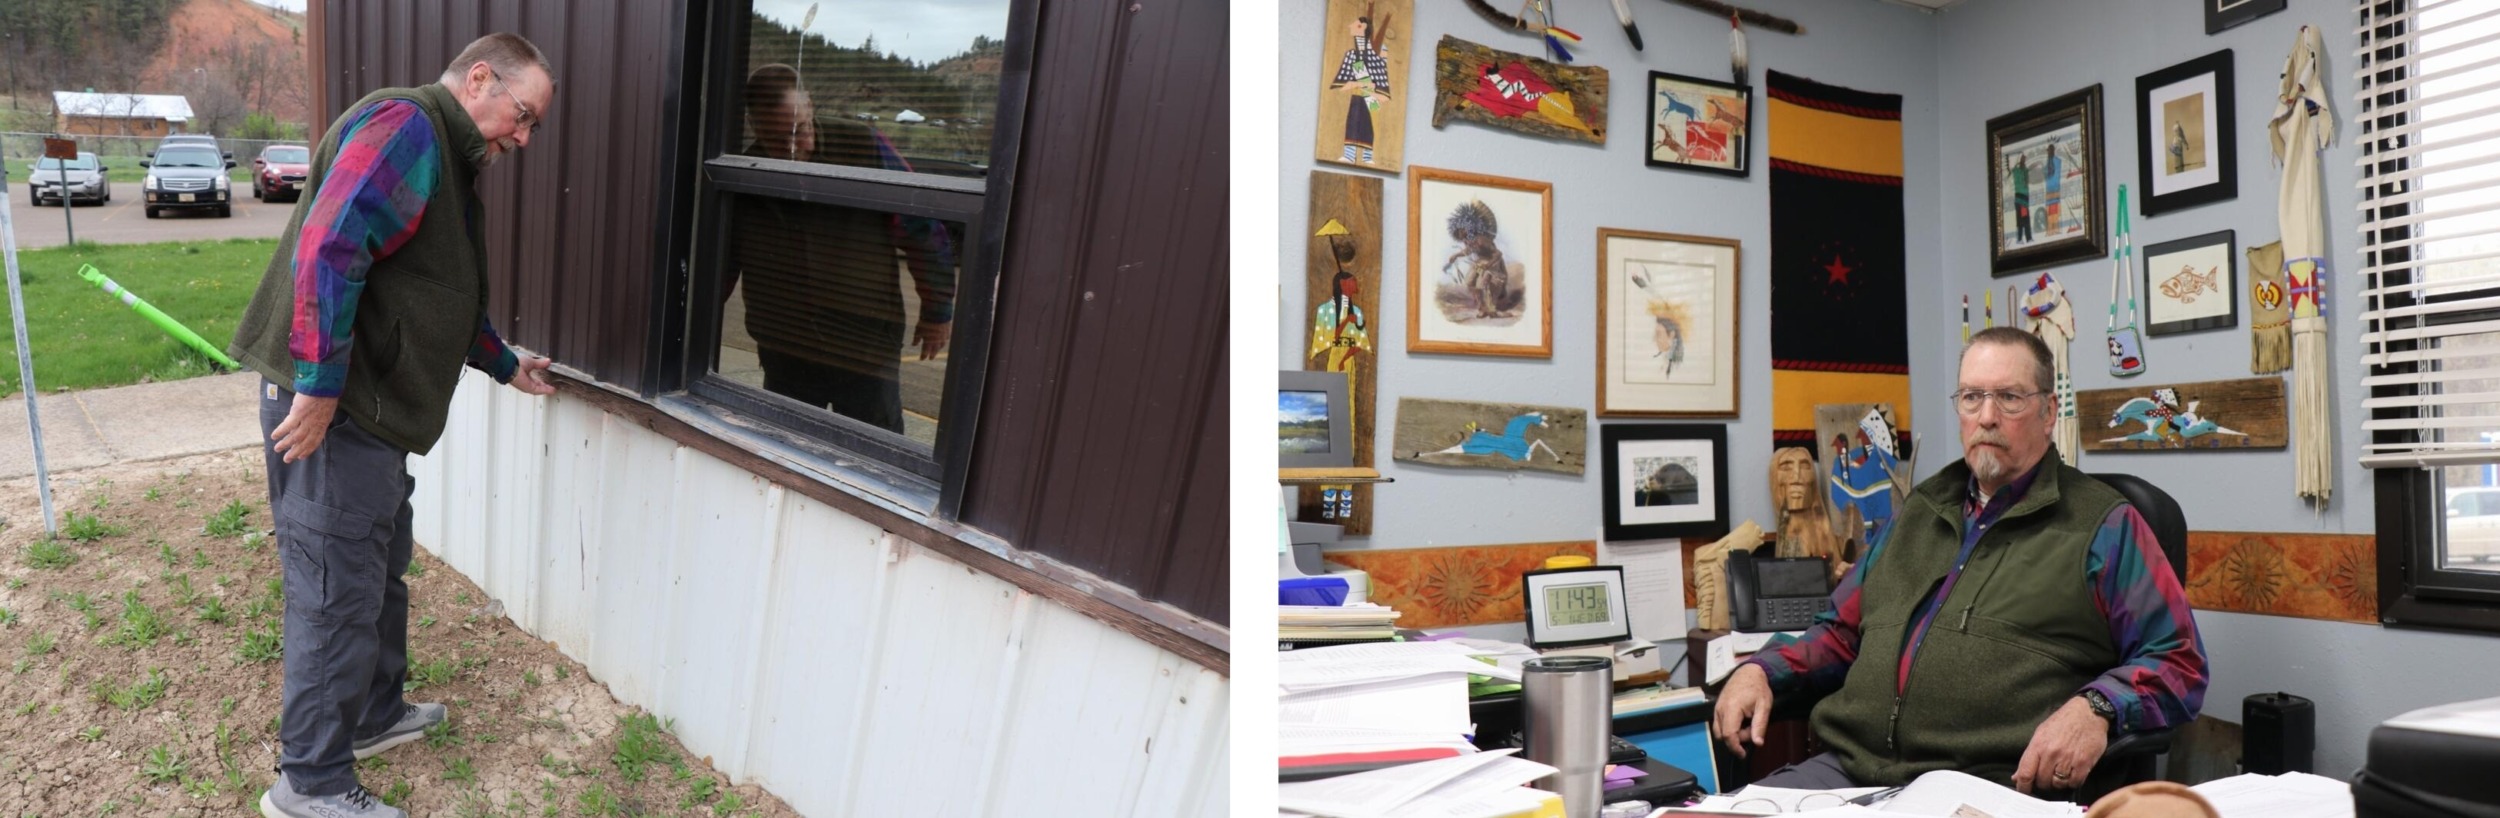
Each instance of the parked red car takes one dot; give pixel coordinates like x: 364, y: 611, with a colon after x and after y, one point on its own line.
x: 279, y: 171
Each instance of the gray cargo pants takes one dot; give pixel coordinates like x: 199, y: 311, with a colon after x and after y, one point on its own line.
x: 343, y: 544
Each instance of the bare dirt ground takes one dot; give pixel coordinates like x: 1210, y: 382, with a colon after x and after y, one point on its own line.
x: 139, y: 672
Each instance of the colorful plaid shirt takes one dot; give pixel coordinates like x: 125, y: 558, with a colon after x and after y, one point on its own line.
x: 369, y: 204
x: 2159, y: 682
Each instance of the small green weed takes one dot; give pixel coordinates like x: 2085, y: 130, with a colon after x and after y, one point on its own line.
x: 640, y: 743
x: 141, y: 626
x: 162, y: 765
x: 228, y: 521
x: 261, y: 645
x: 47, y: 554
x: 87, y: 528
x: 214, y: 612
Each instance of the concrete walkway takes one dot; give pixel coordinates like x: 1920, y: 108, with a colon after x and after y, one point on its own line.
x: 150, y: 421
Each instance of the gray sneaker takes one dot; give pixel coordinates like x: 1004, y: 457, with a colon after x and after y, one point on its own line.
x: 282, y: 801
x: 413, y: 719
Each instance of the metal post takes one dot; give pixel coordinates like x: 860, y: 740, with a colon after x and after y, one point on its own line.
x: 68, y: 203
x: 26, y: 363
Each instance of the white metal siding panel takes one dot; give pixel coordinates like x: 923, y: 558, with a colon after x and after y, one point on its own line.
x: 815, y: 668
x: 939, y: 664
x: 849, y: 671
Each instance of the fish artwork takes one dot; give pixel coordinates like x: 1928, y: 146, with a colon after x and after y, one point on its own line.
x: 2188, y: 284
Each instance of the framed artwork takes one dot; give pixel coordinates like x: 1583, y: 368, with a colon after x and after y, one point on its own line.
x: 2247, y: 413
x: 2045, y: 199
x: 1699, y: 124
x: 1665, y: 480
x: 1479, y: 264
x: 1362, y: 92
x: 2190, y: 284
x: 2186, y: 150
x: 2222, y: 14
x: 1666, y: 325
x: 1500, y: 436
x: 1517, y: 92
x: 1312, y: 424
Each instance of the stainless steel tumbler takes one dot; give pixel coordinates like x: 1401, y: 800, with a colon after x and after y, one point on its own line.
x: 1569, y: 702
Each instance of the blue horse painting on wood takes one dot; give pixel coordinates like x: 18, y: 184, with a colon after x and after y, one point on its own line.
x: 2247, y: 413
x: 1453, y: 433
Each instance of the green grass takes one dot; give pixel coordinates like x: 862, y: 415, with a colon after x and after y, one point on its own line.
x: 141, y: 693
x: 162, y: 765
x: 141, y: 625
x: 88, y: 527
x: 84, y: 338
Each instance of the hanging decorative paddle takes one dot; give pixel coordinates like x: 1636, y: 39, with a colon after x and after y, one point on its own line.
x: 2126, y: 343
x: 2053, y: 320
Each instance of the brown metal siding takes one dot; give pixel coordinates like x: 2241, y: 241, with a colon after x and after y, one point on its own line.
x: 570, y: 242
x: 1102, y: 431
x: 1101, y: 437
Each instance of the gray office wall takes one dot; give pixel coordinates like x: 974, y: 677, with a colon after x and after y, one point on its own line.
x: 1955, y: 69
x: 1995, y: 56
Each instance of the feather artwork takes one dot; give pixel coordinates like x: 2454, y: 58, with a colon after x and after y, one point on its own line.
x: 1623, y: 14
x: 1557, y: 39
x: 1494, y: 15
x: 1736, y: 56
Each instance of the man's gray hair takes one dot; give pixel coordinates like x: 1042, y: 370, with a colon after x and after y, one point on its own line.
x: 508, y: 53
x: 2045, y: 379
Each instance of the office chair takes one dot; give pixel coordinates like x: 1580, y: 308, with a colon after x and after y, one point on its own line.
x: 2131, y: 758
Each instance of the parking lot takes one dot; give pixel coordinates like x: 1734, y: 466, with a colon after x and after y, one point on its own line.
x: 124, y: 221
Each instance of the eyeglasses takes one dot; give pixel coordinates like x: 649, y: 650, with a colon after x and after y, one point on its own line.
x: 2012, y: 404
x: 528, y: 118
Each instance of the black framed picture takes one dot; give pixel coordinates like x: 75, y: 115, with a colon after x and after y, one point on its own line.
x: 1665, y: 480
x: 2046, y: 185
x: 2222, y: 14
x: 1699, y: 124
x: 2189, y: 284
x: 2186, y: 147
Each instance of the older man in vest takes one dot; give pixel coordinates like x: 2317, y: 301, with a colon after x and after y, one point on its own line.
x: 2015, y: 616
x: 375, y: 298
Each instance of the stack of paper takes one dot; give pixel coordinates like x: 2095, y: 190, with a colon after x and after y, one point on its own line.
x: 1343, y: 622
x: 2290, y: 795
x: 1940, y: 794
x: 1381, y: 702
x: 1486, y: 785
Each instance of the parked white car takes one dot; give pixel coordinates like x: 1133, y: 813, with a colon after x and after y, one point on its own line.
x: 2474, y: 524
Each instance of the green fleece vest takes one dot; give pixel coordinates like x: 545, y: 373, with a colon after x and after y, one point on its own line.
x: 2019, y: 635
x: 419, y: 311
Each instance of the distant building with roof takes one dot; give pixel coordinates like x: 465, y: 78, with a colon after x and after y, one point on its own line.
x: 76, y: 112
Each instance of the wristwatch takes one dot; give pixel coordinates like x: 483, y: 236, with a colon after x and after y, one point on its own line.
x: 2101, y: 707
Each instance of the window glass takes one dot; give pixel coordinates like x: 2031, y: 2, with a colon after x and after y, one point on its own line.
x: 843, y: 309
x: 917, y: 83
x: 291, y: 156
x: 2470, y: 530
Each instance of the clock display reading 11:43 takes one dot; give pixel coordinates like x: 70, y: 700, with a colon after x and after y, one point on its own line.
x: 1576, y: 604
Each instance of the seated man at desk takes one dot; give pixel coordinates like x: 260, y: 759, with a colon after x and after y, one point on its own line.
x: 2015, y: 616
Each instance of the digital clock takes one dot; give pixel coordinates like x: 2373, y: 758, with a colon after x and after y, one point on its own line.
x: 1575, y: 606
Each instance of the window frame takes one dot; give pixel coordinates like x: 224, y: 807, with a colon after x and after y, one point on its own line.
x: 690, y: 319
x: 2411, y: 505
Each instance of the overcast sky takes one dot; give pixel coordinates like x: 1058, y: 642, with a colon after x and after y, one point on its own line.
x: 926, y: 30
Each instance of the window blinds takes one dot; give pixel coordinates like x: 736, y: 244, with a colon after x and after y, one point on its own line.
x: 2427, y: 77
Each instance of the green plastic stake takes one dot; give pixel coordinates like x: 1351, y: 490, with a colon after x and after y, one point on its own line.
x: 156, y: 316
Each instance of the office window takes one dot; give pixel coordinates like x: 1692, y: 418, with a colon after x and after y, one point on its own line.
x: 850, y: 220
x: 2430, y: 138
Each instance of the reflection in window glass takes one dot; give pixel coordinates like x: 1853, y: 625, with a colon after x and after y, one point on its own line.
x: 912, y: 86
x: 839, y: 308
x: 2470, y: 520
